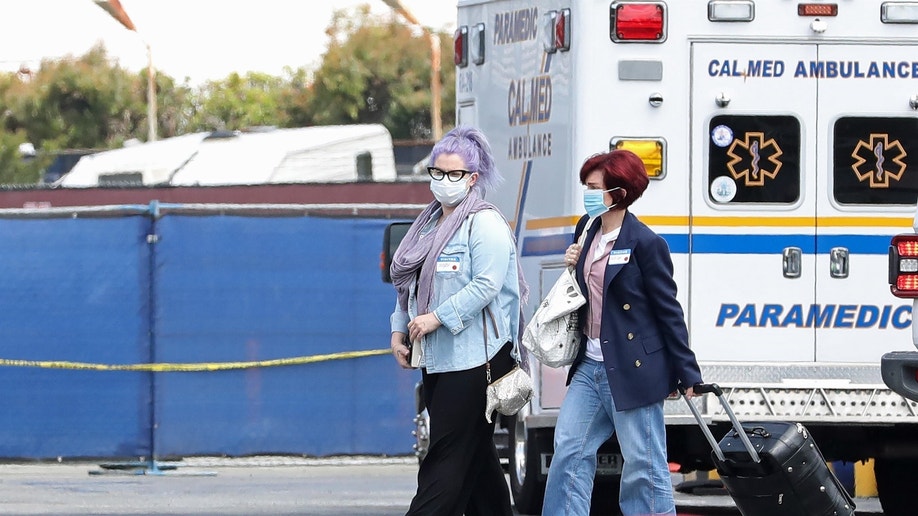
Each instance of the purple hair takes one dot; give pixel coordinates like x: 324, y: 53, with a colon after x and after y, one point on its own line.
x: 470, y: 144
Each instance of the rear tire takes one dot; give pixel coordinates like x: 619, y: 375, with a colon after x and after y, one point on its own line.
x: 896, y: 480
x: 525, y: 485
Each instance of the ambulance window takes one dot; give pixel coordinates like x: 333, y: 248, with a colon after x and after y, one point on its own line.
x: 873, y: 160
x: 754, y: 159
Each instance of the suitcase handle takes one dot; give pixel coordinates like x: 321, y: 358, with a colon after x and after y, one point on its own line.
x: 757, y: 431
x: 702, y: 388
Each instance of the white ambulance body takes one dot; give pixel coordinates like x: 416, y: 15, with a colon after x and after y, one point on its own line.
x: 782, y: 142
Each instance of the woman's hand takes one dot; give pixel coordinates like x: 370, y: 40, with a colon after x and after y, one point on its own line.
x: 689, y: 393
x: 422, y: 325
x: 572, y: 255
x: 399, y: 349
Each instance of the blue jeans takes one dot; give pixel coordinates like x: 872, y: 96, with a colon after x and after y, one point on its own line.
x: 587, y: 419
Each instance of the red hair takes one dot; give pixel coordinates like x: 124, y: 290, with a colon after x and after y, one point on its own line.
x: 620, y: 168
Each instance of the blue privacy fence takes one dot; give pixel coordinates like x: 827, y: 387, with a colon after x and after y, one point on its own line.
x: 101, y: 309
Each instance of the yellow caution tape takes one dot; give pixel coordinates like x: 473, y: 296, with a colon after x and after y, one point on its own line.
x: 191, y: 367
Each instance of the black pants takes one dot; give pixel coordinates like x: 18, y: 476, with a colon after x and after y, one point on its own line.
x: 461, y: 473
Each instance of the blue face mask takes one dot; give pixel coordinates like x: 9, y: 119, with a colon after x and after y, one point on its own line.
x: 593, y: 202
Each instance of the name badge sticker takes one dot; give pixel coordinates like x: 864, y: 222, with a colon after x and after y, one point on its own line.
x: 448, y: 264
x: 619, y: 256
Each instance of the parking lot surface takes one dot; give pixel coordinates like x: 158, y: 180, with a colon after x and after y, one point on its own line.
x: 344, y: 486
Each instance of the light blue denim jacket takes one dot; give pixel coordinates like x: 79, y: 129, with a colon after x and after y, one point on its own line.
x: 487, y: 276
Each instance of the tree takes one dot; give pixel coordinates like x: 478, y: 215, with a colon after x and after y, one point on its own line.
x: 295, y: 98
x: 238, y: 102
x: 87, y: 102
x: 15, y: 167
x: 77, y: 103
x: 80, y: 103
x: 377, y: 70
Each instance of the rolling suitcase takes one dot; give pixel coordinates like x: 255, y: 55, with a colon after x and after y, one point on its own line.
x: 773, y: 468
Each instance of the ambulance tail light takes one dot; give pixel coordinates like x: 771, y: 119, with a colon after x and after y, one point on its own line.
x: 556, y: 31
x: 899, y: 12
x: 461, y: 47
x: 637, y: 22
x: 813, y: 9
x: 652, y: 152
x: 903, y: 265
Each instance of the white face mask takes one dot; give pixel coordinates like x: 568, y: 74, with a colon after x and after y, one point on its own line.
x: 449, y: 193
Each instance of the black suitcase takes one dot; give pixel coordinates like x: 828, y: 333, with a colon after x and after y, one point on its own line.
x: 773, y: 468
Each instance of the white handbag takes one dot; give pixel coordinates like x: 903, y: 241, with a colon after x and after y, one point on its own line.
x: 553, y: 334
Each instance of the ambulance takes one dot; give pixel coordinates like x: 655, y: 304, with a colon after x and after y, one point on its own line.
x: 781, y: 140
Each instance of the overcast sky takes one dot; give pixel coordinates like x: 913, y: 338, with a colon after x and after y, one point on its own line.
x: 199, y: 39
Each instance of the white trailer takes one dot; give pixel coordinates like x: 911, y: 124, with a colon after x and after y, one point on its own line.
x: 317, y: 154
x: 781, y: 139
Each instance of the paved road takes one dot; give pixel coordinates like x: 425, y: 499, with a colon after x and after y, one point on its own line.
x: 353, y: 486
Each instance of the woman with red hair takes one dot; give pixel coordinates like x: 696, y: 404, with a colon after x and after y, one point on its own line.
x: 634, y: 350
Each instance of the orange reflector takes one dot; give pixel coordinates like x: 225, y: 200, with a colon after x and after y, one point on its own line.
x: 817, y: 9
x: 649, y: 150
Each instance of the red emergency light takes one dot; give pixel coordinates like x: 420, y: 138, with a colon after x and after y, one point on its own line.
x: 557, y: 35
x: 637, y: 21
x: 817, y: 9
x: 461, y: 47
x: 563, y: 30
x: 903, y: 266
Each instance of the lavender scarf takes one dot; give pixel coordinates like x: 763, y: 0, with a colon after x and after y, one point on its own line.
x: 416, y: 253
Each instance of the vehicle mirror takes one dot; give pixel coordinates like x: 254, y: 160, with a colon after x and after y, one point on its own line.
x: 392, y: 237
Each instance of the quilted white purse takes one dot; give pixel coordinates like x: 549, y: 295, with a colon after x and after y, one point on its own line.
x: 509, y: 393
x: 553, y: 333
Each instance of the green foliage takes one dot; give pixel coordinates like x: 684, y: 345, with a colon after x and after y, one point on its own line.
x: 238, y: 102
x: 78, y: 103
x: 15, y: 168
x: 377, y: 70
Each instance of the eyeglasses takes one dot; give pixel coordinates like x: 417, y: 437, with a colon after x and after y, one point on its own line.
x: 437, y: 174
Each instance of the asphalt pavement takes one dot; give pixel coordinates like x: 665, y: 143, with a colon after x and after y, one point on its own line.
x: 255, y: 486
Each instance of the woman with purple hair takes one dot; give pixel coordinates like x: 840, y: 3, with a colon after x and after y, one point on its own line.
x: 459, y: 288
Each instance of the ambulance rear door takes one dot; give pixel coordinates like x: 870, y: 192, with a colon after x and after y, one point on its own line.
x: 753, y: 207
x: 868, y: 184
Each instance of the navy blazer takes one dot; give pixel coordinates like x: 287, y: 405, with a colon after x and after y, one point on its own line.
x: 643, y: 335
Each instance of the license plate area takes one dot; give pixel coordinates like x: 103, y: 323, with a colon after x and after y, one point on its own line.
x: 607, y: 464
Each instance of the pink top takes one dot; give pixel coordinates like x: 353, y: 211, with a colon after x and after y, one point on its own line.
x: 594, y: 268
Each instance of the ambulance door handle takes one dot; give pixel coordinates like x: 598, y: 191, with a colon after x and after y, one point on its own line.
x: 792, y: 258
x: 838, y: 262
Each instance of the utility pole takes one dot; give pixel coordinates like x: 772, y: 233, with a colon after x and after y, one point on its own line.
x: 436, y: 125
x: 116, y: 11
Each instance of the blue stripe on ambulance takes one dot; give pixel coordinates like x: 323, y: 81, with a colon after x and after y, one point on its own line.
x: 547, y: 245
